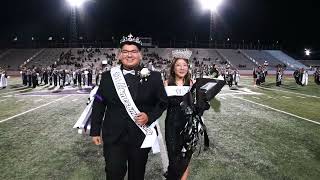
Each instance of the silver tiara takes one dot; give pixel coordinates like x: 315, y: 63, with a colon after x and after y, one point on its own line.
x: 130, y: 38
x: 181, y: 53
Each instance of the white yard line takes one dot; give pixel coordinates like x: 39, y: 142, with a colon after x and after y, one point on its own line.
x: 222, y: 97
x: 290, y: 114
x: 38, y: 100
x: 74, y: 100
x: 289, y: 92
x: 238, y: 93
x: 3, y: 100
x: 301, y: 97
x: 52, y: 94
x: 15, y: 91
x: 286, y: 97
x: 30, y: 110
x: 255, y: 97
x: 20, y: 100
x: 18, y: 88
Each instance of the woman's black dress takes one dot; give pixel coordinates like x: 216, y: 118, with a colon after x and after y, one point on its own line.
x: 174, y: 124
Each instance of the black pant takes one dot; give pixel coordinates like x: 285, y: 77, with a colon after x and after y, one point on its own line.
x: 116, y: 158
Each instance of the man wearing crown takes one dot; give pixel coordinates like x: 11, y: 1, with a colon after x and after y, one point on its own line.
x: 126, y: 105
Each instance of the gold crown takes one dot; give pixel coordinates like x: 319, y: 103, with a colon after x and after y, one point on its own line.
x: 181, y: 54
x: 130, y: 38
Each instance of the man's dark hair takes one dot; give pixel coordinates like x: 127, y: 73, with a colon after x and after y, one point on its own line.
x: 130, y: 43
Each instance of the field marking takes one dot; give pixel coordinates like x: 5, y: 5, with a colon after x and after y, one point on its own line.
x: 286, y: 97
x: 52, y: 94
x: 3, y: 100
x: 301, y: 97
x: 20, y: 100
x: 40, y: 88
x: 74, y: 100
x: 290, y: 114
x: 15, y: 91
x: 30, y: 110
x: 18, y: 88
x: 222, y: 97
x: 255, y: 97
x: 38, y: 100
x: 289, y: 92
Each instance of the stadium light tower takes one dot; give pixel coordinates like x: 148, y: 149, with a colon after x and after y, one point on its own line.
x: 307, y: 52
x: 74, y: 4
x: 211, y: 5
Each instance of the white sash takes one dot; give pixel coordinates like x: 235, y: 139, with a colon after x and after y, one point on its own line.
x: 132, y: 110
x: 177, y: 90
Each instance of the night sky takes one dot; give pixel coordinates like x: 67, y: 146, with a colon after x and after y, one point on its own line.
x: 293, y: 23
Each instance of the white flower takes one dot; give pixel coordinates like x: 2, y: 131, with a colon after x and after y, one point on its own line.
x: 144, y: 73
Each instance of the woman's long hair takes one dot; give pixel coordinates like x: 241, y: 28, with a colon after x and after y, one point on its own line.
x: 172, y: 75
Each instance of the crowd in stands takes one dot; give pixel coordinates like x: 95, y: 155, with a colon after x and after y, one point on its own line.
x: 77, y: 67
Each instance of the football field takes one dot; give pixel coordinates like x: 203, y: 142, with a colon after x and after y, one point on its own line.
x: 255, y: 133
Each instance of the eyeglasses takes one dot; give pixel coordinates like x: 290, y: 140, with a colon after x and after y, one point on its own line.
x: 126, y: 53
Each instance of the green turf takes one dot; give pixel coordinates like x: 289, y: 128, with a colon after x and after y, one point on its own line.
x: 296, y: 102
x: 248, y: 141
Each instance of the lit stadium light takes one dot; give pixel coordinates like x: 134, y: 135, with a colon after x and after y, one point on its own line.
x: 76, y: 3
x: 307, y: 52
x: 211, y: 4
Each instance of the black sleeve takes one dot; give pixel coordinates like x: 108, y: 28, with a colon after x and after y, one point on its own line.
x: 98, y: 109
x: 161, y: 100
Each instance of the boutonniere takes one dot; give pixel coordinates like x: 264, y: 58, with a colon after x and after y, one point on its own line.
x: 144, y: 73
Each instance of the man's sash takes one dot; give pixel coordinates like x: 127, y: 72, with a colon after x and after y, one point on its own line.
x: 132, y: 110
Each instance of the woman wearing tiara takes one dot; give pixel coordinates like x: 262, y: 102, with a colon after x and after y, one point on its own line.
x: 177, y: 85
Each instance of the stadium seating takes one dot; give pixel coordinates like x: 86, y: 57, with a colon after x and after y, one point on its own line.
x: 92, y: 57
x: 284, y: 58
x: 312, y: 63
x: 237, y: 59
x: 13, y: 58
x: 46, y: 57
x: 261, y: 56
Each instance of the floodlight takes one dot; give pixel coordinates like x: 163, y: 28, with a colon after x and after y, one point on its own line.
x: 211, y: 4
x: 307, y: 52
x: 76, y: 3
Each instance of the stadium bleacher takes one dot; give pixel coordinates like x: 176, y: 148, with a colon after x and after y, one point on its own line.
x: 13, y: 58
x: 237, y: 59
x: 284, y: 58
x: 261, y: 56
x: 73, y: 58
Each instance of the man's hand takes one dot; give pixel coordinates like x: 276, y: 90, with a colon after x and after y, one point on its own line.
x: 97, y: 140
x: 141, y: 118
